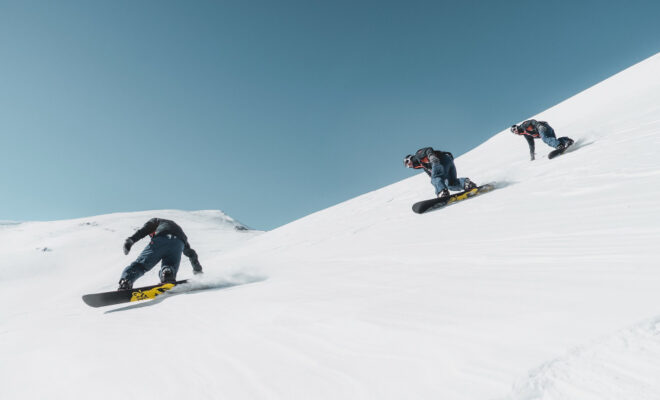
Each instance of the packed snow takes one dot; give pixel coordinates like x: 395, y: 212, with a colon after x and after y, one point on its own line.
x: 546, y: 288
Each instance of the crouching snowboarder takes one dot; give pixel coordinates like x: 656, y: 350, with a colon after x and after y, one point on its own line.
x: 439, y: 165
x: 167, y: 243
x: 533, y: 129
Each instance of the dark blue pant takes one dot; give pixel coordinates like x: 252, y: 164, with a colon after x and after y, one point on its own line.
x: 165, y: 248
x: 443, y: 175
x: 549, y: 138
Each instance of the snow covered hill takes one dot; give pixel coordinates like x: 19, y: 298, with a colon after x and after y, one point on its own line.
x: 546, y: 288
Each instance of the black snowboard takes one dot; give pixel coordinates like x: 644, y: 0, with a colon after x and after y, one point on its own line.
x: 555, y: 153
x: 434, y: 204
x: 128, y: 295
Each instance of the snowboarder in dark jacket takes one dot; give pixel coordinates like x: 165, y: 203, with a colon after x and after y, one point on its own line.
x: 533, y: 129
x: 167, y: 243
x: 439, y: 165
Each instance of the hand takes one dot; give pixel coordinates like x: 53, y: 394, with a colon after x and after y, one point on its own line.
x: 197, y: 267
x: 127, y: 245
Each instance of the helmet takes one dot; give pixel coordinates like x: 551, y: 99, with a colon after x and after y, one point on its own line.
x: 515, y: 129
x: 408, y: 161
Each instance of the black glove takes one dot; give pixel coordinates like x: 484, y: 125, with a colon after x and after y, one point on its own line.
x: 197, y: 267
x: 531, y: 156
x: 127, y: 245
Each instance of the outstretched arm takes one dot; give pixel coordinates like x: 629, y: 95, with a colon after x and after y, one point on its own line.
x: 149, y: 227
x: 530, y: 142
x: 192, y: 255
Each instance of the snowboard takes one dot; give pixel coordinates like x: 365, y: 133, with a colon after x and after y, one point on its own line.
x: 555, y: 153
x: 128, y: 295
x: 434, y: 204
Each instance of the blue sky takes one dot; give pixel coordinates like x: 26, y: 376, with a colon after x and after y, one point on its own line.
x: 271, y: 110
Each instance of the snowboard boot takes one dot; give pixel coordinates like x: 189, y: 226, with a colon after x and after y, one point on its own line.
x: 444, y: 195
x: 565, y: 143
x: 468, y: 184
x: 167, y: 276
x: 125, y: 284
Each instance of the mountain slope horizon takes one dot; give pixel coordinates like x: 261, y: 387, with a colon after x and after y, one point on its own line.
x: 544, y: 288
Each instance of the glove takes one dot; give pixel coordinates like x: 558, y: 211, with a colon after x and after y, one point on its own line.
x: 197, y: 267
x: 127, y: 245
x: 531, y: 156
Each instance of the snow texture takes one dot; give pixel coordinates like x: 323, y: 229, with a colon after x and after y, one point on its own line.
x: 546, y: 288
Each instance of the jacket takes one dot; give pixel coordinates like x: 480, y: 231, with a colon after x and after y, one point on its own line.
x: 160, y: 227
x: 424, y: 158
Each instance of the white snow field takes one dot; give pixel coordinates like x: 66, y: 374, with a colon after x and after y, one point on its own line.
x: 547, y: 288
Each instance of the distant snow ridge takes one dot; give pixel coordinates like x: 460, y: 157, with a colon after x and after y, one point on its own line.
x: 623, y: 366
x: 8, y: 223
x: 219, y: 217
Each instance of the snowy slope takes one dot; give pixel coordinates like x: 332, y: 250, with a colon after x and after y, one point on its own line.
x: 546, y: 288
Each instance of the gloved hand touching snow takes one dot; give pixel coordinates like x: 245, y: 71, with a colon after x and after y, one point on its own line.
x: 127, y: 245
x: 197, y: 267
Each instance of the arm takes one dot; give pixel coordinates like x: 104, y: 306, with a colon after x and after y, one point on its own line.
x: 429, y: 153
x: 530, y: 142
x: 192, y: 255
x: 148, y: 228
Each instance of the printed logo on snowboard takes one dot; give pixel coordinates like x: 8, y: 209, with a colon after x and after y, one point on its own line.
x: 463, y: 196
x: 151, y: 293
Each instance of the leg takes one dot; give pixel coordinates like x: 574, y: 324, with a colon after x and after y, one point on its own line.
x: 456, y: 184
x: 453, y: 182
x: 438, y: 178
x: 145, y: 262
x: 548, y: 136
x: 172, y: 257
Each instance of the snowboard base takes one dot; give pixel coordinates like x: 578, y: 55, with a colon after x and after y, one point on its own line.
x: 128, y: 295
x: 434, y: 204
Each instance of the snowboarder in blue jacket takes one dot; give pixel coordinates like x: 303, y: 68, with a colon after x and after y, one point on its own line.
x: 533, y: 129
x: 167, y: 243
x: 439, y: 165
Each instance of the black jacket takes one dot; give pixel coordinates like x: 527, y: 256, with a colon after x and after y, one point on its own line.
x: 531, y: 129
x: 425, y: 158
x: 157, y: 227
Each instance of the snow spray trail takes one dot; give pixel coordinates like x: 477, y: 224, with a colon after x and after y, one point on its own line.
x: 203, y: 283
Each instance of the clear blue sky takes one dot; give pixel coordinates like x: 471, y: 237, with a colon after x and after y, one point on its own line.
x: 271, y: 110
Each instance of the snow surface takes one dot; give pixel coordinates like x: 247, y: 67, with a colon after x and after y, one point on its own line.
x: 546, y: 288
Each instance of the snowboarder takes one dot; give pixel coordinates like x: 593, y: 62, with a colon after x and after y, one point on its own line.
x: 533, y: 129
x: 439, y: 165
x: 167, y: 243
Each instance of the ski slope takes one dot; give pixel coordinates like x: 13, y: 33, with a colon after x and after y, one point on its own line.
x: 546, y: 288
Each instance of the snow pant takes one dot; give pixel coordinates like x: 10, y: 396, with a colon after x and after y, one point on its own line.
x: 548, y: 136
x: 167, y: 248
x: 443, y: 175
